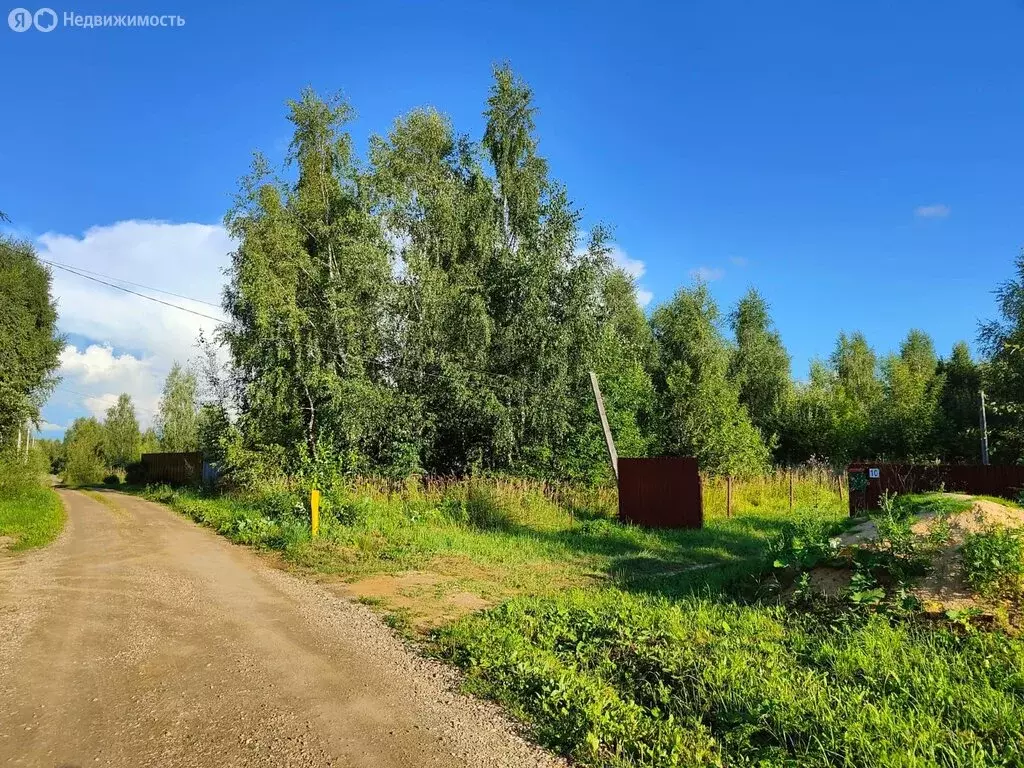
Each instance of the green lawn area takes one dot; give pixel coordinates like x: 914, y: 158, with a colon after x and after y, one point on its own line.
x: 31, y: 515
x: 502, y: 538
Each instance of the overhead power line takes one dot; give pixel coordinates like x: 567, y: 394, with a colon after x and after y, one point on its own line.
x: 78, y: 269
x: 80, y: 273
x: 66, y: 390
x: 135, y: 293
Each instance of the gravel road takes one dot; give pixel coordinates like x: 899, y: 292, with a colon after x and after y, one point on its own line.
x: 140, y: 639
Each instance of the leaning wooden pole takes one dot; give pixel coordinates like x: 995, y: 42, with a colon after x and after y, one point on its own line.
x: 613, y: 457
x: 984, y: 431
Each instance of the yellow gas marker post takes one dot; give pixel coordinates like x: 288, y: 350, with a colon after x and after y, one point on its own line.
x: 314, y: 508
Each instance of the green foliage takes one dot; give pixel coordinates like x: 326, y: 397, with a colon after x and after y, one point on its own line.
x: 760, y: 366
x: 122, y: 441
x: 993, y: 561
x: 855, y: 398
x: 908, y: 415
x: 29, y: 343
x: 177, y: 417
x: 307, y: 291
x: 30, y: 512
x: 215, y: 432
x: 702, y: 412
x: 958, y: 431
x: 85, y: 463
x: 435, y: 308
x: 616, y: 679
x: 277, y: 521
x: 54, y: 452
x: 1003, y: 342
x: 432, y: 311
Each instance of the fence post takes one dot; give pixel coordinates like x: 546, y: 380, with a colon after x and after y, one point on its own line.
x: 728, y: 496
x: 790, y: 489
x: 314, y: 509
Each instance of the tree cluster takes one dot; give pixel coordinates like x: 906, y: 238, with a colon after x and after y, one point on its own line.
x: 436, y: 307
x: 92, y: 449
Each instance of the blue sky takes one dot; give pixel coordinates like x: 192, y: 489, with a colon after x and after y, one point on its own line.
x: 859, y: 163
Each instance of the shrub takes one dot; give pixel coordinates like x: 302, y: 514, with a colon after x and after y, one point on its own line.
x: 30, y: 513
x: 993, y: 561
x: 83, y: 466
x: 111, y: 480
x: 135, y: 473
x: 803, y: 544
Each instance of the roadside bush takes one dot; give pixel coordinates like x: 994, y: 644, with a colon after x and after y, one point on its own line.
x: 30, y: 512
x: 111, y: 480
x: 135, y: 473
x: 18, y: 472
x: 993, y: 561
x: 803, y: 544
x: 83, y: 466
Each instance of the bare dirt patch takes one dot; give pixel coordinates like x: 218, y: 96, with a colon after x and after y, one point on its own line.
x: 427, y: 599
x: 943, y: 588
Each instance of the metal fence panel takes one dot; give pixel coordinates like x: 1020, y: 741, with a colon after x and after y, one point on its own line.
x: 661, y: 492
x: 174, y: 468
x: 866, y: 489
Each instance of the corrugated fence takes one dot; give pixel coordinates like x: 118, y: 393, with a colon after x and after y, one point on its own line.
x: 174, y: 468
x: 868, y: 482
x: 661, y: 492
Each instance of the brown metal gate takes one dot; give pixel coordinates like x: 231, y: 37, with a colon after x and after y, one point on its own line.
x: 661, y: 492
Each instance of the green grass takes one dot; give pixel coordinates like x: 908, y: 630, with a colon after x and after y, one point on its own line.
x: 32, y: 516
x: 993, y: 561
x: 499, y: 537
x: 30, y: 513
x: 614, y: 679
x: 933, y: 504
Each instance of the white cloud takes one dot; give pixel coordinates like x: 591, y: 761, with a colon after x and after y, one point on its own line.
x: 97, y: 375
x: 99, y: 364
x: 935, y: 211
x: 707, y: 274
x: 632, y: 267
x: 186, y: 259
x: 46, y: 426
x: 635, y: 268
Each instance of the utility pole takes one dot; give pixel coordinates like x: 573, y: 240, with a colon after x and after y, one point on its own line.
x: 984, y: 432
x: 613, y: 457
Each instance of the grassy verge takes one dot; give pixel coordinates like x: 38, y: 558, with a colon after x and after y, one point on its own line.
x: 447, y: 547
x: 31, y: 514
